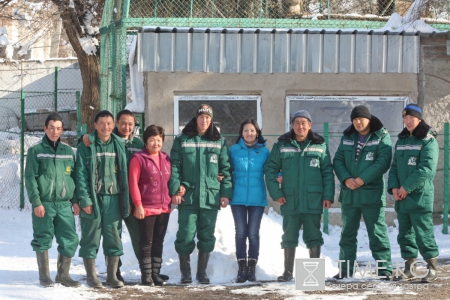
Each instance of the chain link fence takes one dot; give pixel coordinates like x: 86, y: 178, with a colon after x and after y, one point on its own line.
x: 22, y: 118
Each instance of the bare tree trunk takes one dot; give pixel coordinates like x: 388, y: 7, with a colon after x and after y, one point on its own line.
x: 89, y: 63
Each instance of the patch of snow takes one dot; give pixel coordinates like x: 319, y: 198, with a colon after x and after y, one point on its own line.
x: 89, y: 45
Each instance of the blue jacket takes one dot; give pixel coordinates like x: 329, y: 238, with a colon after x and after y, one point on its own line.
x: 249, y: 188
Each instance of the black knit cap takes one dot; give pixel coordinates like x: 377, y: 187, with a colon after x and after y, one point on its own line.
x: 412, y: 110
x: 360, y: 111
x: 53, y: 116
x: 204, y: 109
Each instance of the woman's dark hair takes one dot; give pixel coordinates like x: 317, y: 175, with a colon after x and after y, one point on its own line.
x: 153, y: 130
x: 261, y: 140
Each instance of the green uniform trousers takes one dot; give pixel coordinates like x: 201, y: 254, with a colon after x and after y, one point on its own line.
x: 195, y: 221
x: 133, y: 229
x: 58, y: 221
x: 375, y: 221
x: 416, y: 234
x: 312, y: 236
x: 107, y: 224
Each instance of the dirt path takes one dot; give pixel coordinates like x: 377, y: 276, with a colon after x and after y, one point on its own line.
x: 371, y: 289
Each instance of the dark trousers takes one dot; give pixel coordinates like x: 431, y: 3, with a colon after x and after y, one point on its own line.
x: 152, y: 230
x: 247, y: 221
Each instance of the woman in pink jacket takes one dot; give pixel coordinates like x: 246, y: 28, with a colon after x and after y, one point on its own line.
x: 148, y: 176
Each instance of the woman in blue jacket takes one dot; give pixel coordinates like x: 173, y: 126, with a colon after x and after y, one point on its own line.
x: 248, y: 157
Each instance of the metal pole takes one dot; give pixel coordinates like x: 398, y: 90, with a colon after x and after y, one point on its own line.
x: 56, y: 89
x: 156, y: 9
x: 190, y: 11
x: 325, y: 211
x: 78, y: 95
x: 22, y: 148
x: 328, y: 9
x: 446, y: 166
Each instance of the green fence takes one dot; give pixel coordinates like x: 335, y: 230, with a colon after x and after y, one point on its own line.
x: 22, y: 117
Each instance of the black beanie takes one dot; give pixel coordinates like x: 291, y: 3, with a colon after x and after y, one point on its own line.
x: 412, y: 110
x: 360, y: 111
x: 205, y: 109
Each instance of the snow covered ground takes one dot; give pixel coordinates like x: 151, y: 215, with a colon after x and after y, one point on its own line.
x: 19, y: 275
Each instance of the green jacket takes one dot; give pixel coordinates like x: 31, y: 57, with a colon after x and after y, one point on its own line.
x: 374, y: 160
x: 307, y: 175
x: 196, y: 161
x: 49, y: 173
x: 414, y: 167
x: 86, y: 180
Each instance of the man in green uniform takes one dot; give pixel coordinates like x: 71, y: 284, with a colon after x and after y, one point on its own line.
x: 50, y: 187
x: 307, y: 187
x: 363, y: 156
x: 199, y: 154
x: 125, y: 125
x: 411, y: 183
x: 102, y: 193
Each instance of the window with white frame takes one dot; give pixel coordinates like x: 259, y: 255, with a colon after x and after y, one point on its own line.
x: 229, y: 111
x: 336, y: 111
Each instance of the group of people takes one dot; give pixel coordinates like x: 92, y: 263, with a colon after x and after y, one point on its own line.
x: 116, y: 177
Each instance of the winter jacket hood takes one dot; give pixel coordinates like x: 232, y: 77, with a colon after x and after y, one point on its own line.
x: 421, y: 131
x: 375, y: 125
x: 313, y: 137
x: 212, y: 133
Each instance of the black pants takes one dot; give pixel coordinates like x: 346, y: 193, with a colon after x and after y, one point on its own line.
x: 152, y: 230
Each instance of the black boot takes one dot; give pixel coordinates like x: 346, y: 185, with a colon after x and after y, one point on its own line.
x: 203, y: 258
x: 111, y: 270
x: 185, y: 268
x: 62, y: 275
x: 314, y: 252
x: 92, y: 280
x: 432, y: 272
x: 242, y: 271
x: 251, y: 271
x: 44, y: 272
x: 289, y: 257
x: 146, y: 271
x: 156, y: 267
x: 407, y: 271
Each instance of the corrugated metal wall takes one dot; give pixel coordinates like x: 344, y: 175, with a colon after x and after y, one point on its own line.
x: 221, y: 50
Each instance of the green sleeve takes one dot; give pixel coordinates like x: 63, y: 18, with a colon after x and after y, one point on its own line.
x: 393, y: 181
x: 426, y: 166
x: 339, y: 164
x: 226, y: 189
x: 82, y: 176
x: 326, y: 168
x: 381, y: 163
x: 271, y: 170
x: 176, y: 162
x: 72, y: 175
x: 31, y: 175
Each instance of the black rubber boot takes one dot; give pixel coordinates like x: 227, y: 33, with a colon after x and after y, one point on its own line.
x: 62, y: 275
x: 432, y: 272
x: 156, y: 267
x: 146, y: 271
x: 407, y: 271
x: 289, y: 257
x: 92, y: 280
x: 203, y: 258
x: 242, y: 270
x: 251, y: 271
x: 111, y: 270
x: 185, y: 268
x: 44, y: 271
x: 314, y: 252
x: 340, y: 276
